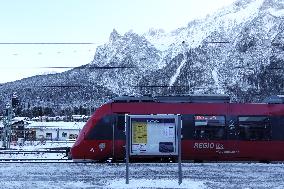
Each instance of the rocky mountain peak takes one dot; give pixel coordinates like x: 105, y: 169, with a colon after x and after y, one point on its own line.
x: 277, y: 4
x: 114, y: 36
x: 155, y: 32
x: 130, y: 48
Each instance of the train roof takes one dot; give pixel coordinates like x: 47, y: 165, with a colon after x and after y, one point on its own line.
x: 175, y: 99
x: 275, y: 99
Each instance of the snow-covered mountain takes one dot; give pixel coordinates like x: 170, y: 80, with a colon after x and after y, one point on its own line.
x: 238, y: 51
x: 129, y: 50
x: 226, y: 52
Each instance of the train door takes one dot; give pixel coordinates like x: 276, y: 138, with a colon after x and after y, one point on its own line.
x: 118, y: 151
x: 277, y: 138
x: 254, y: 137
x: 187, y: 131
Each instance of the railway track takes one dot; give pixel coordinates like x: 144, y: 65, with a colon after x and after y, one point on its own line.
x: 8, y: 160
x: 44, y: 155
x: 31, y: 151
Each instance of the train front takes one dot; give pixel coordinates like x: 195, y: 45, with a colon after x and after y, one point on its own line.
x: 94, y: 142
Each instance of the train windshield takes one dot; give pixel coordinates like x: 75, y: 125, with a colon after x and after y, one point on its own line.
x: 102, y: 129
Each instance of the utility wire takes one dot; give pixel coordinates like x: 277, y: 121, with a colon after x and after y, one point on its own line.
x: 48, y: 43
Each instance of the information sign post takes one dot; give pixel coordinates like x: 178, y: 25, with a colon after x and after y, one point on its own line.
x: 153, y: 136
x: 179, y: 151
x: 127, y: 147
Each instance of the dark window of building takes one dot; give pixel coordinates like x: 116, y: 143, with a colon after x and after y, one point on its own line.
x: 64, y: 134
x: 73, y: 136
x: 209, y: 127
x: 254, y: 128
x: 48, y: 135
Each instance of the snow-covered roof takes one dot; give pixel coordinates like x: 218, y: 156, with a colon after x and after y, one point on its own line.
x: 79, y: 116
x: 20, y: 119
x: 55, y: 125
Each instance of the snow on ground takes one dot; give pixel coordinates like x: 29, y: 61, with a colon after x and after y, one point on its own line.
x: 174, y: 78
x: 277, y: 13
x: 142, y: 176
x: 245, y: 13
x: 150, y: 183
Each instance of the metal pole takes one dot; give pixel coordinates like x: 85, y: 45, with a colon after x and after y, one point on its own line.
x: 6, y: 137
x: 4, y: 131
x: 127, y: 127
x: 9, y: 138
x: 179, y: 151
x: 113, y: 136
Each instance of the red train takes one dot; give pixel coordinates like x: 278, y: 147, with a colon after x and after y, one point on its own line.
x: 212, y: 128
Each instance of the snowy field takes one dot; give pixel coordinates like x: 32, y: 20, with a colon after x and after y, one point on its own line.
x: 195, y: 176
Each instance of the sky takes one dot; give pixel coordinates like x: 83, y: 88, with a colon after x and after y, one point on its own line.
x: 80, y: 21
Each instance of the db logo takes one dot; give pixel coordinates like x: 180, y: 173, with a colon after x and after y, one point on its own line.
x: 102, y: 146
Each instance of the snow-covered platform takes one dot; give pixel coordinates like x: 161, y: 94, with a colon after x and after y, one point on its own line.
x: 143, y: 176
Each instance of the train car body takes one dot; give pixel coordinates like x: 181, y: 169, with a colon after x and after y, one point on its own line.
x: 212, y: 130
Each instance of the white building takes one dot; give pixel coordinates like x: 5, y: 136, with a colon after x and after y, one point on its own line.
x: 55, y: 130
x: 80, y: 118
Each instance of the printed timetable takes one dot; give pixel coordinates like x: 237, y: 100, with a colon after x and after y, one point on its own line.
x: 139, y: 132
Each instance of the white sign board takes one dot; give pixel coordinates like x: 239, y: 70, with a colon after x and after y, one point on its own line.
x: 153, y: 135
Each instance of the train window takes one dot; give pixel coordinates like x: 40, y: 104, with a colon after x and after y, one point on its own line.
x: 209, y: 127
x: 254, y: 128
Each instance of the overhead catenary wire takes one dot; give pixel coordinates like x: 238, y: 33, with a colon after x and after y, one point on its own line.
x: 47, y: 43
x: 89, y: 68
x: 217, y: 42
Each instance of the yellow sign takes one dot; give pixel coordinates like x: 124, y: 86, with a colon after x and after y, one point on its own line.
x: 139, y: 132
